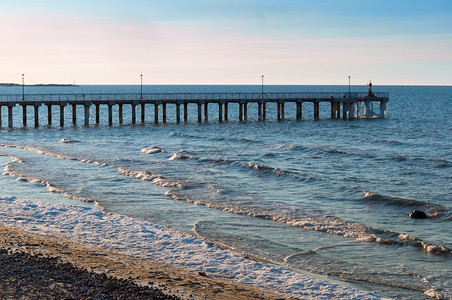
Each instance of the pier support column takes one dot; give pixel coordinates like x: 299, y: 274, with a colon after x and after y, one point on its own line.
x: 206, y: 112
x: 97, y: 113
x: 62, y: 115
x: 333, y: 110
x: 143, y: 112
x: 316, y: 110
x: 299, y: 110
x: 10, y: 116
x: 259, y: 111
x: 264, y: 111
x: 220, y: 112
x: 134, y: 113
x: 120, y: 118
x: 245, y: 111
x: 156, y: 113
x: 240, y: 112
x: 110, y: 114
x: 278, y: 111
x: 282, y: 110
x: 74, y: 114
x: 199, y: 112
x: 87, y: 113
x: 352, y: 113
x: 226, y: 111
x: 24, y: 115
x: 383, y: 105
x: 49, y: 115
x: 366, y: 109
x: 36, y: 106
x: 0, y: 116
x: 164, y: 112
x: 178, y: 113
x: 185, y: 112
x: 338, y: 110
x: 344, y: 110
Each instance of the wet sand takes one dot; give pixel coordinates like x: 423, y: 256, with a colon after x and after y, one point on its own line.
x: 35, y: 266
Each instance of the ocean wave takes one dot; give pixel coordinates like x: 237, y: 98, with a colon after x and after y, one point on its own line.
x: 182, y: 134
x: 13, y: 158
x: 310, y: 219
x: 156, y: 179
x: 269, y: 170
x: 391, y: 142
x: 66, y: 141
x: 79, y: 198
x: 152, y: 150
x: 11, y: 171
x: 434, y: 210
x: 50, y: 153
x: 180, y: 156
x: 398, y: 158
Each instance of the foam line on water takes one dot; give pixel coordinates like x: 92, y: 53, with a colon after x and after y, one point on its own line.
x: 314, y: 220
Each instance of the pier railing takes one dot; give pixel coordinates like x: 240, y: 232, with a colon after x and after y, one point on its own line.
x: 192, y: 96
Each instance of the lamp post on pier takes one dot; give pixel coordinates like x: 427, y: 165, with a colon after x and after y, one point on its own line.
x: 23, y: 87
x: 349, y: 86
x: 141, y: 87
x: 262, y: 86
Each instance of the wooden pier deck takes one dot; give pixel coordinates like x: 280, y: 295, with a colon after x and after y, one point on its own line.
x: 345, y: 104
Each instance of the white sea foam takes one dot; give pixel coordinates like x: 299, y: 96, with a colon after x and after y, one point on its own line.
x: 145, y: 240
x: 47, y: 152
x: 66, y: 141
x: 177, y: 156
x: 152, y: 150
x: 156, y: 179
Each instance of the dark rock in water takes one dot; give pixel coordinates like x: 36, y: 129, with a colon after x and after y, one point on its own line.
x: 418, y: 214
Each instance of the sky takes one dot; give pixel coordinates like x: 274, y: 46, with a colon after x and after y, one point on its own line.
x: 295, y: 42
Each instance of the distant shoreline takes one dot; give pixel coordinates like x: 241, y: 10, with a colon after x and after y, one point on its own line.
x: 39, y: 84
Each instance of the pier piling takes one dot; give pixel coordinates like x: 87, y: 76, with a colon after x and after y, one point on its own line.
x: 36, y: 106
x: 143, y: 112
x: 49, y: 114
x: 156, y: 113
x: 177, y: 113
x: 62, y: 106
x: 206, y: 111
x: 134, y: 113
x: 10, y: 116
x: 24, y: 115
x: 163, y: 113
x: 87, y: 113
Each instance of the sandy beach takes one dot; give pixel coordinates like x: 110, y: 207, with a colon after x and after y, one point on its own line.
x: 125, y: 275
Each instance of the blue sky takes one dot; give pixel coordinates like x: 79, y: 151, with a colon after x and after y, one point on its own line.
x: 226, y: 42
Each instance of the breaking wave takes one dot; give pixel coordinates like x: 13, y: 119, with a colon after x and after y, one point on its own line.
x: 13, y: 158
x: 152, y: 150
x: 156, y: 179
x: 66, y: 141
x: 270, y: 170
x: 310, y: 219
x: 177, y: 156
x: 47, y: 152
x: 434, y: 210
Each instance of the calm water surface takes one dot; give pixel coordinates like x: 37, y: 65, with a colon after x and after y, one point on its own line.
x: 330, y: 197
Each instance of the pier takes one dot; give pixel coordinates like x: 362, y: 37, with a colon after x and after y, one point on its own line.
x: 346, y: 106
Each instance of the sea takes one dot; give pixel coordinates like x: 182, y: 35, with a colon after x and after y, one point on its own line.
x: 327, y: 197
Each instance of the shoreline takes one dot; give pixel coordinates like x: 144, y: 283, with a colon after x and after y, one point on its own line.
x: 141, y: 250
x: 169, y: 279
